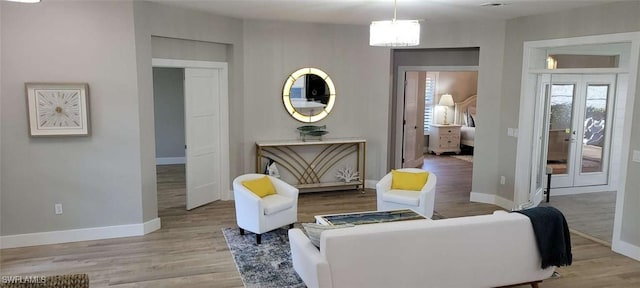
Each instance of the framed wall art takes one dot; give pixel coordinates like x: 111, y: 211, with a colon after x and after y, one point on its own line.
x: 58, y: 109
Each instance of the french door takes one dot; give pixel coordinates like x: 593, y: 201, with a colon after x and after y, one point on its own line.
x: 576, y: 128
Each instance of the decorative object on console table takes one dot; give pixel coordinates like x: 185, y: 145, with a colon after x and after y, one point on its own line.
x: 271, y: 169
x: 312, y: 131
x: 60, y: 109
x: 444, y: 138
x: 347, y: 174
x: 309, y: 162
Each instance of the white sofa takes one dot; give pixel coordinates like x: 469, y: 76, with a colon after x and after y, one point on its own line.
x: 480, y: 251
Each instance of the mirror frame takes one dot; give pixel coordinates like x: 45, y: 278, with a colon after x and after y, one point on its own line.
x: 286, y: 99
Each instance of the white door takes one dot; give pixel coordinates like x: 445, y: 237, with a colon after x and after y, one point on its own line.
x: 579, y: 124
x: 414, y: 123
x: 202, y: 127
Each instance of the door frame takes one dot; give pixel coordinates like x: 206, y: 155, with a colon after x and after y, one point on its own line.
x: 399, y: 136
x: 624, y: 102
x: 225, y: 192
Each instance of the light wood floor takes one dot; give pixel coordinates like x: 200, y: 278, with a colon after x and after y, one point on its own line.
x: 591, y: 213
x: 190, y: 250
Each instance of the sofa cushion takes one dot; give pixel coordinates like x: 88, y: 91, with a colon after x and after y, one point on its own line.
x: 408, y: 180
x: 406, y: 197
x: 275, y: 203
x: 262, y: 186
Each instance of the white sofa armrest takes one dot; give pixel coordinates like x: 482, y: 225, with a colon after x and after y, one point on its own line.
x: 308, y: 262
x: 248, y: 208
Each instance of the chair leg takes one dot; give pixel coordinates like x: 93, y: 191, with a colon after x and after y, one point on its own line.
x: 241, y: 231
x: 291, y: 226
x: 258, y: 239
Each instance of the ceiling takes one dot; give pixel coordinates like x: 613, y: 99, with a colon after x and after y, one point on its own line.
x: 364, y: 11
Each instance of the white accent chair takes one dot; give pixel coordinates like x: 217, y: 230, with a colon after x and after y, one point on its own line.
x: 260, y: 215
x: 421, y: 202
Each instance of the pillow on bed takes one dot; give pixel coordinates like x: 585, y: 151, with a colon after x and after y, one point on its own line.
x: 471, y: 118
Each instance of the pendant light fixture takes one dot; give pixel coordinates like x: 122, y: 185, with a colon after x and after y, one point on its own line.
x: 394, y: 33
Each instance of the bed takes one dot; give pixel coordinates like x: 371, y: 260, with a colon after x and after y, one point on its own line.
x: 465, y: 115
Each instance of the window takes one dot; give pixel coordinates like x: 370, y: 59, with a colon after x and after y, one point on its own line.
x: 429, y: 99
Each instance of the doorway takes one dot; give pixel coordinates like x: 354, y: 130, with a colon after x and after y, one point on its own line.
x: 423, y: 116
x: 206, y: 134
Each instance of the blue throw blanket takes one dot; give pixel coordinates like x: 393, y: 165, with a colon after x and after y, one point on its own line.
x: 552, y: 235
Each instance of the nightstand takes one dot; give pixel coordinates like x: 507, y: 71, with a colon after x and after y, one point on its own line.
x: 444, y: 138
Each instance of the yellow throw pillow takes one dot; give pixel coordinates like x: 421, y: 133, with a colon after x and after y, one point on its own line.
x: 408, y: 180
x: 260, y: 186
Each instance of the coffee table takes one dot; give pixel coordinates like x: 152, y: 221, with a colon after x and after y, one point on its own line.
x: 369, y: 217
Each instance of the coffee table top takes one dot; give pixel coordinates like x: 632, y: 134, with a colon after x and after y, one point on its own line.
x: 368, y: 217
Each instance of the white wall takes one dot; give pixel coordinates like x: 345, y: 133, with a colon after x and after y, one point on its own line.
x: 168, y: 99
x: 360, y: 73
x: 603, y: 19
x: 96, y: 178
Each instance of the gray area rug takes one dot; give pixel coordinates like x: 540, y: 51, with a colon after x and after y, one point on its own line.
x: 265, y: 265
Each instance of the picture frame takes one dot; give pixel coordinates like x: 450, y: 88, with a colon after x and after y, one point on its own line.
x: 58, y: 109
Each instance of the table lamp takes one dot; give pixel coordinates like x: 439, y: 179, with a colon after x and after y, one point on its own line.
x: 446, y: 100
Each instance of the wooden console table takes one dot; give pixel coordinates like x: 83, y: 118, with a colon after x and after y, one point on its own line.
x: 310, y: 170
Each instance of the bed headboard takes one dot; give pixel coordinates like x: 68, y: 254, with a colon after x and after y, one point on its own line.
x: 461, y: 108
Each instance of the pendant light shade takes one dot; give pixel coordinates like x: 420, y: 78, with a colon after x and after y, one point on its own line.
x: 394, y: 33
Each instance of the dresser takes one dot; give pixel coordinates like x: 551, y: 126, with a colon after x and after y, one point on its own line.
x: 444, y: 138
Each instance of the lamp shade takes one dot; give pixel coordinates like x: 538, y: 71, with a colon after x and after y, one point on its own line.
x: 394, y: 33
x: 446, y: 100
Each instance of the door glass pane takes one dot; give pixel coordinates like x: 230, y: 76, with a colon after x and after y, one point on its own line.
x: 542, y: 118
x: 560, y: 117
x: 594, y: 128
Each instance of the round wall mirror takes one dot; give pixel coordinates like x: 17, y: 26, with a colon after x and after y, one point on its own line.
x: 309, y: 95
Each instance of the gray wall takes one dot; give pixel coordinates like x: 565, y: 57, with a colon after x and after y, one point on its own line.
x: 171, y: 48
x: 1, y: 3
x: 96, y: 178
x: 360, y: 73
x: 489, y: 37
x: 168, y: 98
x: 460, y: 85
x: 594, y: 20
x: 152, y: 19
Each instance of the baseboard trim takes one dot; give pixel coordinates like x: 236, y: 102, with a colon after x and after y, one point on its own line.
x: 580, y: 190
x: 170, y: 160
x: 75, y: 235
x: 370, y: 184
x: 151, y: 225
x: 491, y: 199
x: 626, y: 249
